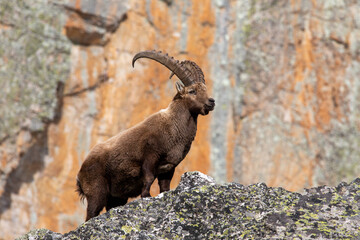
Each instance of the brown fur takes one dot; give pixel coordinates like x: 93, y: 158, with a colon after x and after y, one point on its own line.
x: 126, y: 165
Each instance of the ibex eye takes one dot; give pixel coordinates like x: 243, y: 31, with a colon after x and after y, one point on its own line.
x: 192, y: 92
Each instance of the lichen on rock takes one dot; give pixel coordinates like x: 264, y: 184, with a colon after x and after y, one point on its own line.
x: 201, y: 209
x: 34, y: 58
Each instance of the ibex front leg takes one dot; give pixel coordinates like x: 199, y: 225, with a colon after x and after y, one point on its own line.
x: 165, y: 179
x: 148, y: 170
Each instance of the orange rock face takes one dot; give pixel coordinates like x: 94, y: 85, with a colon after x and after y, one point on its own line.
x: 285, y: 82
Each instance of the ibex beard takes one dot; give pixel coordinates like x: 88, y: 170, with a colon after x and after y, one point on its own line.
x: 127, y: 164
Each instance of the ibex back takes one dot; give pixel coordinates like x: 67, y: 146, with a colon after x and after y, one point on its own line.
x: 127, y: 164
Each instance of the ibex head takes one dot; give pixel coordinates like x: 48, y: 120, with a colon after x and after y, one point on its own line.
x: 191, y: 87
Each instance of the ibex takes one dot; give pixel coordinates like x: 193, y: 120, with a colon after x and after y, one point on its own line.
x: 126, y: 165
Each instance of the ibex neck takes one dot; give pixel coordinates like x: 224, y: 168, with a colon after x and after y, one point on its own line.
x: 181, y: 112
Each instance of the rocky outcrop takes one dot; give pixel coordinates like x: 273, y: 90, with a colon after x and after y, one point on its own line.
x: 201, y: 209
x: 34, y: 65
x: 289, y: 68
x: 91, y: 22
x: 284, y: 75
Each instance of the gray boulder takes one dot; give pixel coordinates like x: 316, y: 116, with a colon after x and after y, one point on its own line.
x: 201, y: 209
x: 91, y: 22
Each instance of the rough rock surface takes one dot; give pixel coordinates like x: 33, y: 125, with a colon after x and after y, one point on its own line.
x: 201, y: 209
x: 33, y: 61
x: 91, y: 22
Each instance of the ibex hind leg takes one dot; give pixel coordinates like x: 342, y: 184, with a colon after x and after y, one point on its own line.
x: 97, y: 199
x: 115, y: 202
x: 95, y: 205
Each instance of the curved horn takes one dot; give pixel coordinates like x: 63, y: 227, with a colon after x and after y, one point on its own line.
x: 183, y: 73
x: 195, y: 70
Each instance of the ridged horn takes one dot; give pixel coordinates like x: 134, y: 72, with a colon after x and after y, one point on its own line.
x: 194, y: 68
x: 184, y: 73
x: 196, y: 71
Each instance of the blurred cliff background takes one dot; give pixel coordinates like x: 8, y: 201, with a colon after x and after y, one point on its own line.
x: 285, y: 76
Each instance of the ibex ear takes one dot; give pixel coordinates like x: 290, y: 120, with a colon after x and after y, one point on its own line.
x: 179, y: 86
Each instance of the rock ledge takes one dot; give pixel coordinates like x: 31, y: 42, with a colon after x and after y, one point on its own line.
x: 201, y: 209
